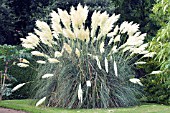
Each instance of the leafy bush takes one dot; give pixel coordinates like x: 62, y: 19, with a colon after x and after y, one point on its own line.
x: 94, y: 64
x: 11, y: 74
x: 157, y: 86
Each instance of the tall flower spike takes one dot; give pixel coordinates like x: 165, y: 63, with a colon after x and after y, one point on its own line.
x: 102, y: 20
x: 78, y: 16
x: 65, y: 18
x: 83, y: 12
x: 108, y: 25
x: 44, y: 33
x: 56, y: 22
x: 95, y: 20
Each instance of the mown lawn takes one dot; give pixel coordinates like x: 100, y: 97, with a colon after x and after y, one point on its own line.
x: 28, y: 105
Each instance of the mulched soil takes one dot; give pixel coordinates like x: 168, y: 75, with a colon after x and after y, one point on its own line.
x: 5, y: 110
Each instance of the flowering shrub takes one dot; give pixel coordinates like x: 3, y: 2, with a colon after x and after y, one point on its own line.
x: 87, y: 66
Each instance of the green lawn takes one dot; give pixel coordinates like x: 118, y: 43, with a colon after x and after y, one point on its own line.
x: 28, y: 105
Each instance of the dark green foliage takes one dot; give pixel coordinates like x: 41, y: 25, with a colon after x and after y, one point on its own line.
x: 17, y: 17
x: 139, y: 12
x: 7, y: 18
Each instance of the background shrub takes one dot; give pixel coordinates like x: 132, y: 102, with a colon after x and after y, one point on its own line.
x: 12, y: 55
x: 157, y: 86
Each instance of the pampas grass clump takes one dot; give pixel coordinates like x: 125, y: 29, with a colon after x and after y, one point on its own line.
x: 86, y: 67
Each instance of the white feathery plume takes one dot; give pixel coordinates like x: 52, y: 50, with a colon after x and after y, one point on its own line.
x: 88, y: 83
x: 115, y: 68
x: 24, y: 60
x: 31, y: 41
x: 65, y: 18
x: 155, y: 72
x: 29, y: 46
x: 40, y: 101
x: 110, y: 41
x: 37, y: 53
x: 151, y: 54
x: 95, y: 20
x: 102, y: 19
x: 98, y: 62
x: 83, y: 12
x: 117, y: 38
x: 17, y: 87
x: 22, y: 65
x: 106, y: 65
x: 144, y: 52
x: 67, y: 48
x: 102, y: 47
x: 41, y: 62
x: 68, y: 33
x: 57, y: 54
x: 78, y: 16
x: 80, y: 93
x: 33, y: 38
x: 77, y: 53
x: 136, y: 81
x: 56, y: 22
x: 111, y: 34
x: 44, y: 33
x: 53, y: 60
x: 82, y: 34
x: 108, y: 24
x: 47, y: 75
x: 130, y: 28
x: 140, y: 63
